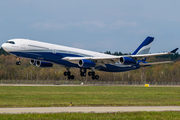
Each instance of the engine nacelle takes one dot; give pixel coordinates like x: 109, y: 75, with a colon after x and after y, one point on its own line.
x: 33, y: 62
x: 127, y: 61
x: 86, y: 63
x: 43, y: 64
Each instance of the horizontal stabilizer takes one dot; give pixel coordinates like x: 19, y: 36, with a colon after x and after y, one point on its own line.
x: 173, y: 51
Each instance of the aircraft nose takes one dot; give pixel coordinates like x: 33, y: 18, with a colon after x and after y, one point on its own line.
x: 4, y: 46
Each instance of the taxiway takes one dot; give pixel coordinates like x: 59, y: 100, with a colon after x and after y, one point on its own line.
x: 87, y: 109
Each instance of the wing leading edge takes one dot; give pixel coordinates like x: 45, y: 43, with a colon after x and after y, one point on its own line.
x: 115, y: 59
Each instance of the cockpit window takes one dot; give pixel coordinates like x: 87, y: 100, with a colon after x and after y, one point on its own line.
x: 11, y: 42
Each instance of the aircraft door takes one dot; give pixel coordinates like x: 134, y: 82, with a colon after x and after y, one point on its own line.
x: 23, y: 45
x: 53, y: 50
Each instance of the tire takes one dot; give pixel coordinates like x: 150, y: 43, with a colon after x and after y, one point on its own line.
x: 93, y: 73
x: 65, y: 74
x: 93, y: 77
x: 18, y: 63
x: 97, y: 77
x: 83, y: 74
x: 69, y: 77
x: 72, y: 77
x: 68, y: 73
x: 90, y: 73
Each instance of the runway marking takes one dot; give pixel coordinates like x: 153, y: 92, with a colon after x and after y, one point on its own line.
x: 87, y: 109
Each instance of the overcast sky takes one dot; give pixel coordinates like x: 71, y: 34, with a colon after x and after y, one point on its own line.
x: 98, y: 25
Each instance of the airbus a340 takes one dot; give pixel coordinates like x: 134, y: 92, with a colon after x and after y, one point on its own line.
x: 44, y: 54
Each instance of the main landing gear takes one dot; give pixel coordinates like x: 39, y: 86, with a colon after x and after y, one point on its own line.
x: 68, y: 73
x: 82, y: 74
x: 18, y: 61
x: 93, y: 75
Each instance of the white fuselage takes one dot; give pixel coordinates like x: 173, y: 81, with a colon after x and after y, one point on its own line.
x: 52, y: 53
x: 25, y: 45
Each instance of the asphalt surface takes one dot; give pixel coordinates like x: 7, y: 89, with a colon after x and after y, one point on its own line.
x: 87, y: 109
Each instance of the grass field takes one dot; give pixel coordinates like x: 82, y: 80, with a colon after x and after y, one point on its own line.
x: 95, y: 116
x: 47, y: 96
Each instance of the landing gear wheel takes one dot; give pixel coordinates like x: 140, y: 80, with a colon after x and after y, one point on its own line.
x: 93, y: 77
x: 83, y: 74
x: 97, y: 77
x: 93, y: 73
x: 18, y: 63
x: 90, y: 73
x: 67, y: 73
x: 71, y: 77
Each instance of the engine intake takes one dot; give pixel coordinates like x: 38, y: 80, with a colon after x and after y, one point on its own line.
x: 32, y: 62
x: 86, y: 63
x: 127, y: 61
x: 43, y: 64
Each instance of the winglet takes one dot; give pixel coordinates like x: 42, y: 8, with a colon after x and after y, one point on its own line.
x: 173, y: 51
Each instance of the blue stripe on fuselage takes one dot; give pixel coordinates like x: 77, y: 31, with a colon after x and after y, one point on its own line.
x: 57, y: 58
x: 113, y: 68
x: 48, y: 57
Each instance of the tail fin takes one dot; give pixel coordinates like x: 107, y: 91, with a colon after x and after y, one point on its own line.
x: 144, y: 47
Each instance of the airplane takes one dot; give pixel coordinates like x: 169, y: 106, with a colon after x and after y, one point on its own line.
x: 43, y: 54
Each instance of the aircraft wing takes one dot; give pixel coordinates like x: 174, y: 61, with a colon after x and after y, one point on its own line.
x: 114, y: 59
x: 151, y: 55
x: 98, y: 60
x: 154, y: 63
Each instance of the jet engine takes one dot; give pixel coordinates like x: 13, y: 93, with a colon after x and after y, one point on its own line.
x: 127, y: 61
x: 43, y: 64
x: 32, y: 62
x: 86, y: 63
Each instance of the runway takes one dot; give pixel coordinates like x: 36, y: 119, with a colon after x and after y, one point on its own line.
x: 87, y: 109
x: 87, y: 85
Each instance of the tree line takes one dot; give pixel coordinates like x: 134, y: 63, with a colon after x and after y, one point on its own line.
x: 155, y: 73
x: 2, y: 51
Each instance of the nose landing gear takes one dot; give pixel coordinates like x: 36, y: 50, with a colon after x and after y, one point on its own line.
x: 18, y: 62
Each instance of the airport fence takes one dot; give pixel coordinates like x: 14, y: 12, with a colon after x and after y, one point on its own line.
x: 93, y: 82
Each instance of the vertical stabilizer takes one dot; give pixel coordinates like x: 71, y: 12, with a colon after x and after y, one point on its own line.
x: 144, y: 47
